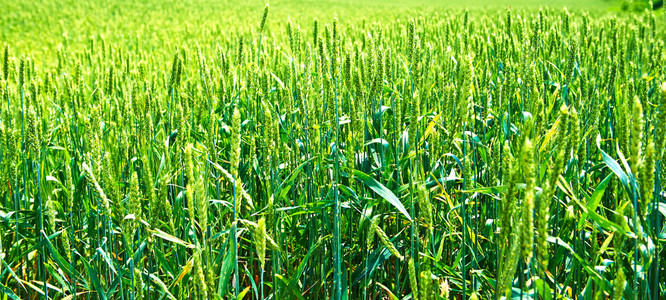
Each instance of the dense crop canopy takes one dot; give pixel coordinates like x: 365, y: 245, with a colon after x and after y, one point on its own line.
x: 164, y: 151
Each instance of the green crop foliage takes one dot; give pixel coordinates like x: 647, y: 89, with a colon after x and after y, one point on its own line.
x: 215, y: 150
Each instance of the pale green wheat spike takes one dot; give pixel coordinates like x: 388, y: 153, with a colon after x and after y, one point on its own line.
x: 412, y: 280
x: 32, y: 138
x: 4, y: 178
x: 595, y: 116
x: 330, y: 100
x: 387, y: 243
x: 508, y: 22
x: 496, y: 161
x: 323, y: 67
x: 334, y: 48
x: 560, y: 154
x: 102, y: 195
x: 315, y: 32
x: 51, y: 213
x: 210, y: 281
x: 110, y: 82
x: 46, y: 87
x: 425, y: 288
x: 150, y: 191
x: 347, y: 70
x: 267, y: 123
x: 425, y: 207
x: 417, y: 63
x: 527, y: 233
x: 5, y: 66
x: 542, y: 215
x: 358, y: 89
x: 578, y: 143
x: 378, y: 71
x: 413, y: 122
x: 260, y: 240
x: 370, y: 238
x: 164, y: 204
x: 138, y: 283
x: 235, y: 142
x: 539, y: 105
x: 66, y: 244
x: 618, y: 284
x: 636, y: 134
x: 510, y: 174
x: 234, y: 160
x: 297, y: 41
x: 349, y: 151
x: 71, y: 185
x: 410, y: 43
x: 388, y: 63
x: 150, y: 127
x: 660, y: 127
x: 200, y: 276
x: 189, y: 168
x: 510, y: 262
x: 179, y: 69
x: 573, y: 52
x: 471, y: 80
x: 573, y: 138
x: 133, y: 208
x: 647, y: 177
x: 253, y: 148
x: 21, y: 73
x: 290, y: 33
x: 182, y: 123
x: 565, y: 19
x: 202, y: 204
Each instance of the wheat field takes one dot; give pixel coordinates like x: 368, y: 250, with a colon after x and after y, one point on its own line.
x: 334, y: 150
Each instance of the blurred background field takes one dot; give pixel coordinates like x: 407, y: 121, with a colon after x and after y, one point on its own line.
x: 29, y: 26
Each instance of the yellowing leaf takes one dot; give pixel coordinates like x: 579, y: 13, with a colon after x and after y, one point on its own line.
x: 186, y: 269
x: 548, y: 135
x: 242, y: 294
x: 431, y: 126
